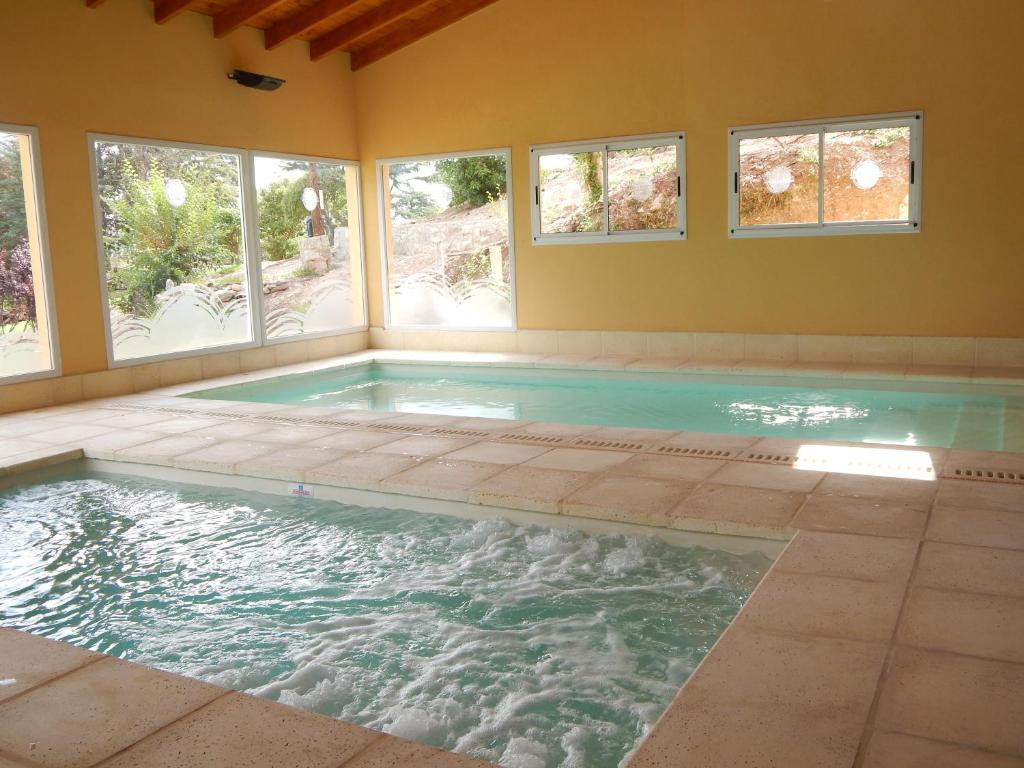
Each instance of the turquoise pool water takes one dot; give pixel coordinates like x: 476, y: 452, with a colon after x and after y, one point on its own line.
x: 901, y: 413
x: 531, y: 646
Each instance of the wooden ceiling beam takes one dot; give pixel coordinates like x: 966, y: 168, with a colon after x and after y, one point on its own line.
x: 294, y: 26
x: 342, y: 37
x: 232, y: 17
x: 419, y: 29
x: 165, y: 10
x: 92, y: 3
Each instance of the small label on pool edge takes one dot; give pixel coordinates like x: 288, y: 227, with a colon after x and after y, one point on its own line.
x: 301, y: 490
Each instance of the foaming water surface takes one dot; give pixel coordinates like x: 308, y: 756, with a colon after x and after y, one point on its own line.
x: 919, y: 413
x: 521, y: 644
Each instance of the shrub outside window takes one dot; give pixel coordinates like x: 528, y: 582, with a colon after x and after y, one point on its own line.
x: 847, y: 176
x: 609, y: 190
x: 310, y: 245
x: 27, y: 328
x: 446, y: 243
x: 172, y: 233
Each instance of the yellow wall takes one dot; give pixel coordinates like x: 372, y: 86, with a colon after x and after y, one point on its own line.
x: 533, y: 71
x: 69, y: 70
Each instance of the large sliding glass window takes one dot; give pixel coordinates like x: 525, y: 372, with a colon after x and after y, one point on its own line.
x: 841, y: 177
x: 446, y: 225
x: 26, y: 320
x: 174, y: 250
x: 310, y: 245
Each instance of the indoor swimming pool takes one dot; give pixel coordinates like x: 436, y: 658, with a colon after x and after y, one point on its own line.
x: 527, y: 645
x: 895, y: 412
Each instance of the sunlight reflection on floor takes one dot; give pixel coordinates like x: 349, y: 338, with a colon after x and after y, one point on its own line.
x: 862, y: 460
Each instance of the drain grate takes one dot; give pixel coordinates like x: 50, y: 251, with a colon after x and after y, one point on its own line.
x: 459, y: 433
x: 512, y: 437
x: 701, y: 453
x: 329, y: 423
x: 397, y: 428
x: 989, y: 475
x: 615, y: 445
x: 770, y: 458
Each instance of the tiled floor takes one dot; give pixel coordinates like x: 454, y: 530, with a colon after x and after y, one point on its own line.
x: 887, y: 635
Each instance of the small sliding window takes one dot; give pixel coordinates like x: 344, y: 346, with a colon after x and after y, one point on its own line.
x: 848, y: 176
x: 609, y: 190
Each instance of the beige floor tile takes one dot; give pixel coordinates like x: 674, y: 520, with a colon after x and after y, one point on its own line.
x: 27, y: 660
x: 1010, y: 462
x: 849, y: 556
x: 162, y: 451
x: 354, y: 440
x: 12, y: 446
x: 70, y: 433
x: 633, y: 499
x: 20, y: 427
x: 972, y: 494
x: 287, y: 462
x: 531, y: 488
x: 578, y: 459
x: 981, y: 527
x: 106, y: 446
x: 780, y: 478
x: 239, y: 731
x: 970, y: 624
x: 126, y: 702
x: 441, y: 478
x: 294, y: 434
x: 711, y: 441
x: 870, y: 516
x: 235, y: 429
x: 127, y: 419
x: 680, y: 468
x: 628, y: 434
x: 498, y: 453
x: 392, y: 752
x: 360, y: 470
x: 809, y: 604
x: 555, y: 429
x: 223, y: 456
x: 425, y: 420
x: 918, y: 493
x: 766, y: 701
x: 954, y: 698
x: 489, y: 425
x: 423, y: 446
x: 176, y: 425
x: 971, y: 569
x: 897, y: 750
x: 734, y: 504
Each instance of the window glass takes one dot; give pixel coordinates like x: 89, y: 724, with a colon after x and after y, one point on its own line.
x: 642, y: 188
x: 867, y: 174
x: 447, y: 242
x: 25, y: 346
x: 310, y: 252
x: 778, y: 180
x: 572, y: 192
x: 174, y: 251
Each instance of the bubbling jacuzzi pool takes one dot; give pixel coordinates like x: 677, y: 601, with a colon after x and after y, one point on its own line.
x: 524, y: 644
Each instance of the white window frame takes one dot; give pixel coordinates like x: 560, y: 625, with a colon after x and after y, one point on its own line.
x: 677, y: 138
x: 913, y: 120
x: 44, y: 257
x: 384, y: 213
x: 250, y: 241
x: 356, y: 212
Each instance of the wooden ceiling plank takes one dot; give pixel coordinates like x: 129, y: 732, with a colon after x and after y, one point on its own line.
x: 165, y: 10
x: 240, y: 13
x: 437, y: 20
x: 294, y: 26
x: 381, y: 16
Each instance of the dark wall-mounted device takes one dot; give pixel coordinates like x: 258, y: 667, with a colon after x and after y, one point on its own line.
x: 253, y: 80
